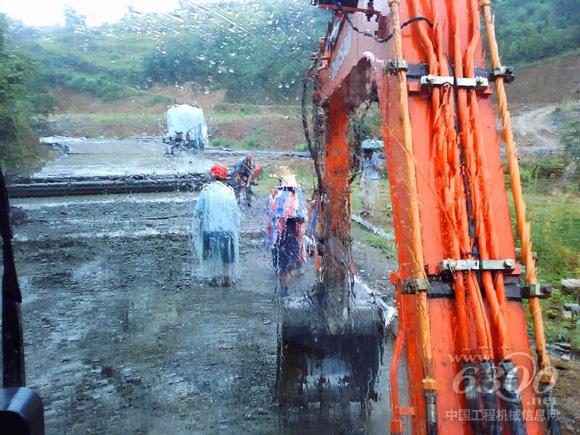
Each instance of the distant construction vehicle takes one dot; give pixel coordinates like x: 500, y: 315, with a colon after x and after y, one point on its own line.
x: 186, y: 128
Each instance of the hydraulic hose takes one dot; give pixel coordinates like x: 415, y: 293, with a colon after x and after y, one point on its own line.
x: 472, y: 397
x: 523, y: 226
x: 13, y: 367
x: 484, y: 226
x: 479, y: 203
x: 314, y: 153
x: 489, y: 399
x: 511, y: 398
x: 516, y: 188
x: 550, y: 412
x: 450, y: 186
x: 488, y: 248
x: 477, y: 306
x: 396, y: 422
x: 449, y: 179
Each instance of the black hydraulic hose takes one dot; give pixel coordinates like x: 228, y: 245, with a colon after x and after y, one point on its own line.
x: 12, y: 343
x: 489, y: 399
x: 405, y: 24
x: 381, y: 40
x: 550, y: 412
x: 511, y: 398
x: 431, y: 412
x: 472, y: 397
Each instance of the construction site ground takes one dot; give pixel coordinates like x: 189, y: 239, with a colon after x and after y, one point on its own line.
x: 121, y: 336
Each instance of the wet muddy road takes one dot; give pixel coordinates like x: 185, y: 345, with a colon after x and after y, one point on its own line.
x: 84, y: 158
x: 122, y: 337
x: 109, y: 157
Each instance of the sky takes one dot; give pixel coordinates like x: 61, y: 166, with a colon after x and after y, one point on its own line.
x: 50, y: 12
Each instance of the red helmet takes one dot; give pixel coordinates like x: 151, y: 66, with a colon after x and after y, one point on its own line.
x: 219, y: 171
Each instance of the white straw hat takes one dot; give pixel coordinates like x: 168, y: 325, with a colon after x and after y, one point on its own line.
x: 282, y: 171
x: 288, y: 181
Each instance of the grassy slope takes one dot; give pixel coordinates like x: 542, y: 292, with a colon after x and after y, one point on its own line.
x: 555, y: 220
x: 230, y: 125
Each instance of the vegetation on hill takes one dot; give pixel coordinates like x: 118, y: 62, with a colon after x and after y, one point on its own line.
x: 24, y: 102
x: 532, y: 30
x: 256, y: 51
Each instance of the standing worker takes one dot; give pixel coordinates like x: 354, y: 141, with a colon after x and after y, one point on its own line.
x: 285, y: 235
x: 244, y: 172
x: 217, y: 230
x: 370, y: 166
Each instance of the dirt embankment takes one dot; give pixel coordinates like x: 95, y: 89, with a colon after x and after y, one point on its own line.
x: 534, y: 97
x: 232, y: 125
x: 268, y: 132
x: 536, y: 126
x: 536, y: 133
x: 154, y: 101
x: 275, y: 127
x: 548, y: 82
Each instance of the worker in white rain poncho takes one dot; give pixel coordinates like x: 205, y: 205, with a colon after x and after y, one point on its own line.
x: 216, y: 229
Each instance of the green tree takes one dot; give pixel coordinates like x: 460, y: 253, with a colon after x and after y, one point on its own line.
x: 73, y: 20
x: 23, y: 104
x: 532, y: 30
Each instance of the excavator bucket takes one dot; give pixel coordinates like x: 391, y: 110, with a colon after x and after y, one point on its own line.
x: 332, y: 333
x: 325, y: 367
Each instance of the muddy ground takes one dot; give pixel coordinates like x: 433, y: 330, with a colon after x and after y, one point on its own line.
x: 145, y: 156
x: 122, y: 337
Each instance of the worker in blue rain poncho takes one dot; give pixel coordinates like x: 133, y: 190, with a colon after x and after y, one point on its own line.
x: 216, y: 229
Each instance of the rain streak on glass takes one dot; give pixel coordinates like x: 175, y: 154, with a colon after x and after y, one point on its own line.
x: 182, y: 266
x: 150, y: 295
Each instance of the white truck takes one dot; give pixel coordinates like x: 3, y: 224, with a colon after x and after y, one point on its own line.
x: 186, y: 128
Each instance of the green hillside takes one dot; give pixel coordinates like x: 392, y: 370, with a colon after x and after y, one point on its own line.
x: 24, y: 103
x: 532, y: 30
x: 255, y: 51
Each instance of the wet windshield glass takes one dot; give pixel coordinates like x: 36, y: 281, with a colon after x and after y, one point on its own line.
x: 210, y: 215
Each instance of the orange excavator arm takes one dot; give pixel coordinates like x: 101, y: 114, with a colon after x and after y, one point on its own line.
x: 462, y: 323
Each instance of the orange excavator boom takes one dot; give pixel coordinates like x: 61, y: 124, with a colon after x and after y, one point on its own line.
x: 459, y: 287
